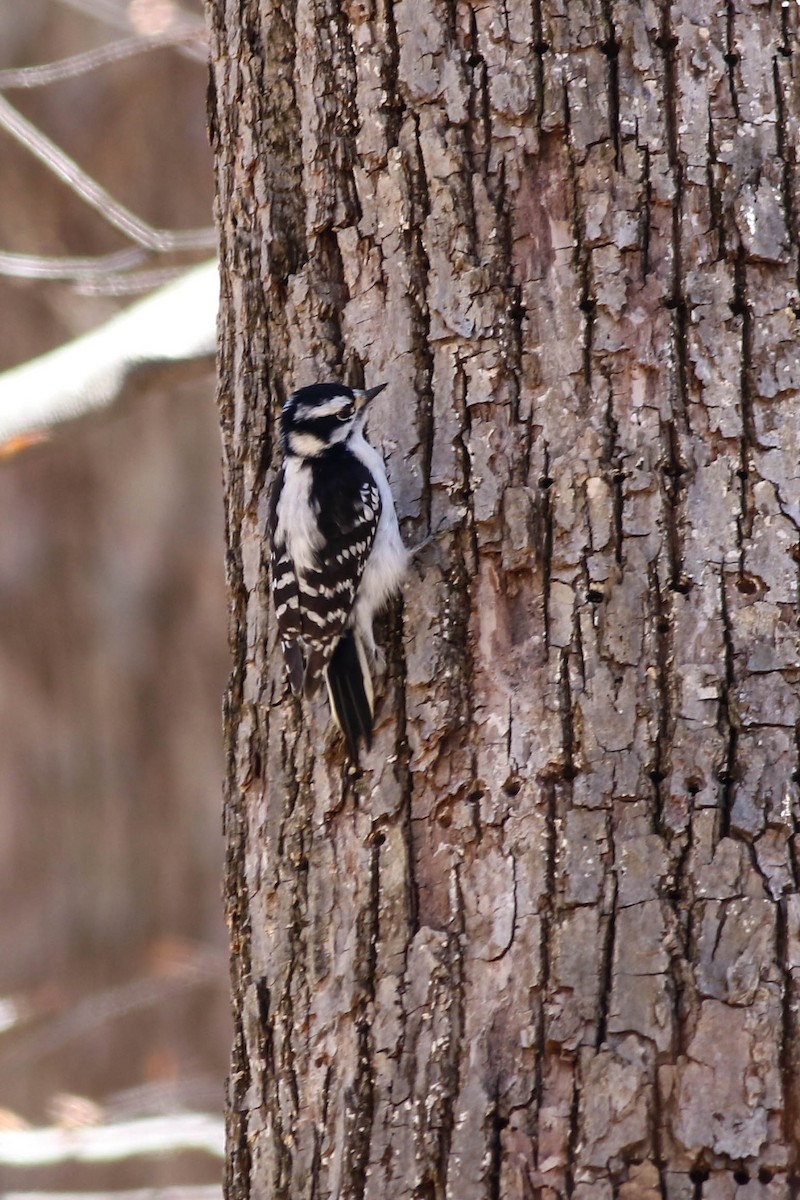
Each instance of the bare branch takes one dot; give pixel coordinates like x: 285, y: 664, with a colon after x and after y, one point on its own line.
x: 84, y: 186
x: 90, y: 60
x: 35, y: 266
x: 117, y: 18
x: 169, y: 335
x: 105, y: 274
x: 200, y: 1192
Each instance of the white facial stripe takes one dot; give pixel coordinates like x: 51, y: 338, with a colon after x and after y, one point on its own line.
x: 331, y: 408
x: 305, y: 444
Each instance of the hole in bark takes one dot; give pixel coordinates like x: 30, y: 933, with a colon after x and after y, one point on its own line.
x: 764, y: 1175
x: 302, y: 864
x: 541, y: 47
x: 569, y: 772
x: 673, y: 470
x: 747, y: 586
x: 795, y: 776
x: 663, y: 625
x: 445, y: 820
x: 693, y: 786
x: 681, y: 585
x: 698, y: 1175
x: 378, y: 839
x: 257, y: 765
x: 741, y: 1176
x: 512, y: 786
x: 732, y: 58
x: 474, y: 60
x: 673, y: 302
x: 667, y: 43
x: 736, y: 307
x: 610, y: 48
x: 656, y: 776
x: 545, y: 482
x: 594, y: 596
x: 588, y: 304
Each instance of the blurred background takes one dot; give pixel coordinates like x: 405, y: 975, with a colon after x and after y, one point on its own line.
x: 113, y: 655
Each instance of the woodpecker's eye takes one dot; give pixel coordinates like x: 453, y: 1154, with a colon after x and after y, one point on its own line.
x: 345, y: 415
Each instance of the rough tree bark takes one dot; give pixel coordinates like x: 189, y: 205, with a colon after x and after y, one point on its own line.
x: 548, y: 943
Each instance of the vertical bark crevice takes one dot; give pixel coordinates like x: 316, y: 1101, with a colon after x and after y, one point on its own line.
x: 419, y: 266
x: 610, y: 48
x: 728, y: 719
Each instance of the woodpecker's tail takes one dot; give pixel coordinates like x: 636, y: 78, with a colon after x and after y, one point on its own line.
x: 350, y: 692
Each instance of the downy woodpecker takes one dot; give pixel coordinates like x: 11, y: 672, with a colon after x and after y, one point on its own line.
x: 337, y: 556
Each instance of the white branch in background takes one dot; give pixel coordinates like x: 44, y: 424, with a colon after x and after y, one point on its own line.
x: 211, y: 1192
x: 111, y: 1143
x: 171, y: 334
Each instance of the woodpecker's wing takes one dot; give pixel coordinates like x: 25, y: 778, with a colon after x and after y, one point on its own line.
x: 285, y: 592
x: 349, y: 507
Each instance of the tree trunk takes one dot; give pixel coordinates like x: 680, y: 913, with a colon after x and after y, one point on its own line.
x: 547, y: 943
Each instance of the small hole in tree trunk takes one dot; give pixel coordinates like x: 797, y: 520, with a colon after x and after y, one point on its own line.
x: 667, y: 43
x: 741, y: 1176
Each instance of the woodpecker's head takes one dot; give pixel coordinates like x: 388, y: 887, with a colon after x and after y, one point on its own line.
x: 321, y: 416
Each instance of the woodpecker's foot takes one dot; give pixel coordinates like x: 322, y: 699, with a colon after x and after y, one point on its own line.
x: 379, y: 660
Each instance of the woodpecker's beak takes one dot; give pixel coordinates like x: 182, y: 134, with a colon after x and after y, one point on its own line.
x: 363, y: 396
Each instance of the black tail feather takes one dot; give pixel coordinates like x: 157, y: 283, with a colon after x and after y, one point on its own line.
x: 350, y: 692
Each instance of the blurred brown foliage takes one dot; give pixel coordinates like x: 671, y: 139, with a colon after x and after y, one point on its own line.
x: 113, y: 647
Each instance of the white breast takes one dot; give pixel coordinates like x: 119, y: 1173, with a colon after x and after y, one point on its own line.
x: 388, y: 560
x: 297, y: 523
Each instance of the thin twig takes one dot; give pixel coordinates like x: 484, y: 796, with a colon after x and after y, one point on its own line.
x: 116, y: 17
x: 92, y: 193
x: 201, y: 1192
x: 132, y: 284
x: 36, y: 266
x: 90, y: 60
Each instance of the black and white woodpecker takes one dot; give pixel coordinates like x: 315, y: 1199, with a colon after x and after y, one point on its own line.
x: 337, y: 556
